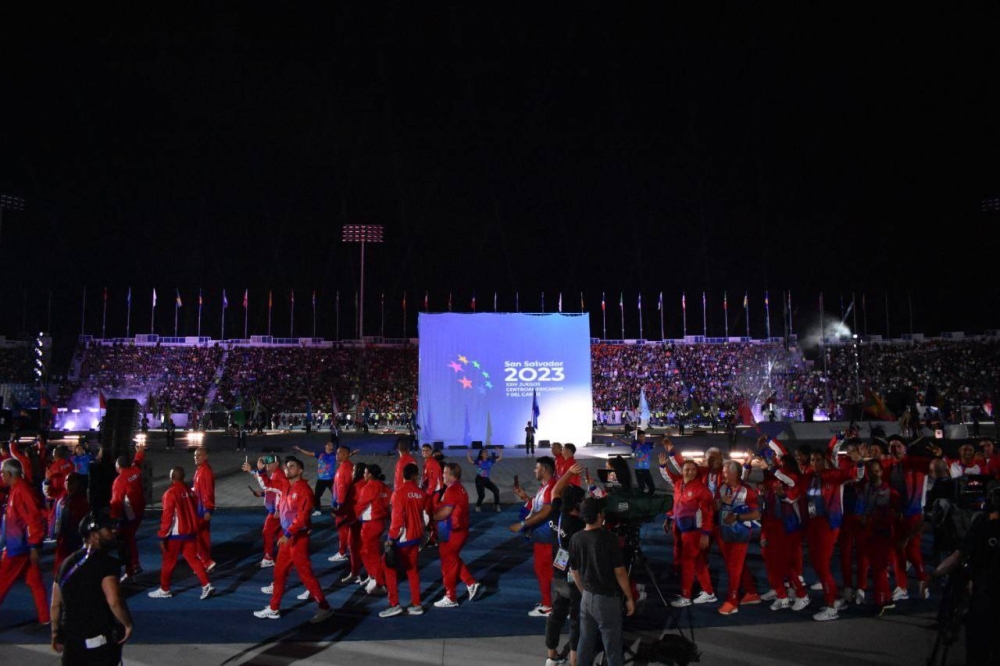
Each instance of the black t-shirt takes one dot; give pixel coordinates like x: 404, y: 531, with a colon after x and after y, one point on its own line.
x: 564, y: 527
x: 86, y: 613
x: 596, y: 555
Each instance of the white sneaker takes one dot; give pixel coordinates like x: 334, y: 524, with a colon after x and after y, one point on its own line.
x: 338, y: 557
x: 268, y: 589
x: 378, y: 591
x: 445, y: 602
x: 370, y: 587
x: 415, y: 610
x: 160, y: 593
x: 266, y: 563
x: 478, y: 509
x: 681, y: 602
x: 825, y: 614
x: 363, y: 582
x: 816, y: 586
x: 317, y: 513
x: 770, y: 595
x: 847, y: 595
x: 899, y: 594
x: 927, y: 593
x: 555, y: 662
x: 498, y: 508
x: 267, y: 614
x: 801, y: 603
x: 859, y: 597
x: 537, y: 611
x: 704, y: 598
x: 839, y: 605
x: 207, y: 591
x: 781, y: 604
x: 210, y: 567
x: 392, y: 611
x: 302, y: 596
x: 473, y: 591
x: 321, y: 615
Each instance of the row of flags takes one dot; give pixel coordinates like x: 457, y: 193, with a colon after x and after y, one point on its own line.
x: 178, y: 301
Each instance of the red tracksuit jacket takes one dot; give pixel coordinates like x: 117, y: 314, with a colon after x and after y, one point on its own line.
x: 180, y: 513
x: 372, y: 502
x: 203, y: 486
x: 23, y: 523
x: 408, y: 516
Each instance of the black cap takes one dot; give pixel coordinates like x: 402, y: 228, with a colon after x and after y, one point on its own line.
x: 94, y: 521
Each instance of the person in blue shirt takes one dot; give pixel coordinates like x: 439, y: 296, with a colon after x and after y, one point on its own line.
x: 640, y: 451
x: 326, y: 468
x: 484, y: 463
x: 82, y: 458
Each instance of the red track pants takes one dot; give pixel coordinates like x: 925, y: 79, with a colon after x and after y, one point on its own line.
x: 371, y: 549
x: 822, y: 539
x: 783, y: 559
x: 881, y: 552
x: 910, y: 551
x: 295, y: 552
x: 694, y: 562
x: 406, y: 562
x: 270, y: 533
x: 735, y: 556
x: 204, y: 538
x: 189, y: 549
x: 127, y: 534
x: 543, y: 571
x: 452, y: 566
x: 852, y: 535
x: 13, y: 569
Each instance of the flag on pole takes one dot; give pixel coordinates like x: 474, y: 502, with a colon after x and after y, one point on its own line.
x: 582, y: 308
x: 102, y: 402
x: 659, y: 305
x: 560, y: 301
x: 154, y: 297
x: 643, y: 408
x: 246, y: 298
x: 292, y: 296
x: 535, y: 413
x: 683, y: 301
x: 621, y: 301
x: 494, y: 301
x: 426, y: 297
x: 725, y: 301
x: 225, y: 301
x: 602, y: 302
x: 178, y: 292
x: 404, y: 301
x: 473, y: 301
x: 128, y: 297
x: 314, y: 297
x: 640, y: 300
x: 199, y: 298
x: 105, y: 294
x: 449, y: 301
x: 746, y: 302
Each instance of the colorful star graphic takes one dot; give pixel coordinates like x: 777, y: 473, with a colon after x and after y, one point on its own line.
x: 475, y: 364
x: 455, y: 366
x: 466, y: 384
x: 489, y: 385
x: 464, y: 360
x: 486, y: 375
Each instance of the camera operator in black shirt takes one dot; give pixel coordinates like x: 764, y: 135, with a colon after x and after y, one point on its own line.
x: 565, y: 594
x: 598, y: 569
x: 979, y: 557
x: 90, y: 620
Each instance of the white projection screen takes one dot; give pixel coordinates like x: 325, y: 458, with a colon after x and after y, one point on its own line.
x: 478, y: 374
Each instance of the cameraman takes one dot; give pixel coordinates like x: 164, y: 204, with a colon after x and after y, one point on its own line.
x: 980, y: 553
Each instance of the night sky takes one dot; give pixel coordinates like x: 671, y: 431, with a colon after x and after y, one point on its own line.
x: 503, y: 150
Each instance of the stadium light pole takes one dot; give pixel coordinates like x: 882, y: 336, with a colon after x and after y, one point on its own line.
x: 9, y: 202
x: 363, y: 234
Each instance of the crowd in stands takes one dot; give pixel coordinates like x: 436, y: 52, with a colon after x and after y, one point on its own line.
x: 680, y: 380
x: 15, y: 365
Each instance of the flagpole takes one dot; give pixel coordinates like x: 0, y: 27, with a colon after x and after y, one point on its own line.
x: 404, y: 314
x: 746, y: 309
x: 909, y: 301
x: 199, y: 312
x: 337, y: 331
x: 621, y: 307
x: 704, y: 315
x: 767, y: 315
x: 382, y: 326
x: 822, y: 344
x: 791, y: 328
x: 176, y: 308
x: 128, y: 315
x: 314, y: 313
x: 604, y: 317
x: 225, y: 303
x: 640, y: 315
x: 725, y: 312
x: 517, y: 301
x: 246, y: 304
x: 662, y: 331
x: 83, y: 317
x: 684, y: 314
x: 887, y: 335
x: 291, y: 316
x: 104, y: 316
x: 855, y: 310
x: 864, y: 311
x: 270, y: 307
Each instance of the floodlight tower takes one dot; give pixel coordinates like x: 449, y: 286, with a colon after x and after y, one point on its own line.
x: 9, y: 202
x: 364, y: 234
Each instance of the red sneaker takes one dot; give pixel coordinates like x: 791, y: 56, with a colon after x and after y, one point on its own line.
x: 729, y: 608
x: 750, y: 598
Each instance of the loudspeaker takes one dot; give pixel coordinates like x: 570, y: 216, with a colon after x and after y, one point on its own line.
x: 477, y: 444
x: 544, y: 444
x: 121, y: 419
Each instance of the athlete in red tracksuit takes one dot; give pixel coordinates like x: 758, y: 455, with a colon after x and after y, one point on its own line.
x: 694, y: 509
x: 907, y: 475
x: 536, y: 524
x: 178, y: 535
x: 738, y: 507
x: 881, y: 504
x: 406, y: 530
x: 851, y: 541
x: 452, y: 517
x: 23, y: 530
x: 70, y: 511
x: 824, y: 497
x: 203, y: 486
x: 272, y: 480
x: 295, y: 508
x: 781, y: 533
x: 128, y: 505
x: 56, y: 474
x: 343, y: 507
x: 372, y: 508
x: 403, y: 448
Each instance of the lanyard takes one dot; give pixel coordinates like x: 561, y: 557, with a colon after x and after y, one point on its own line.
x: 74, y: 569
x: 559, y: 531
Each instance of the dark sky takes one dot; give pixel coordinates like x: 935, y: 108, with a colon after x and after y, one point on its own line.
x: 503, y: 150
